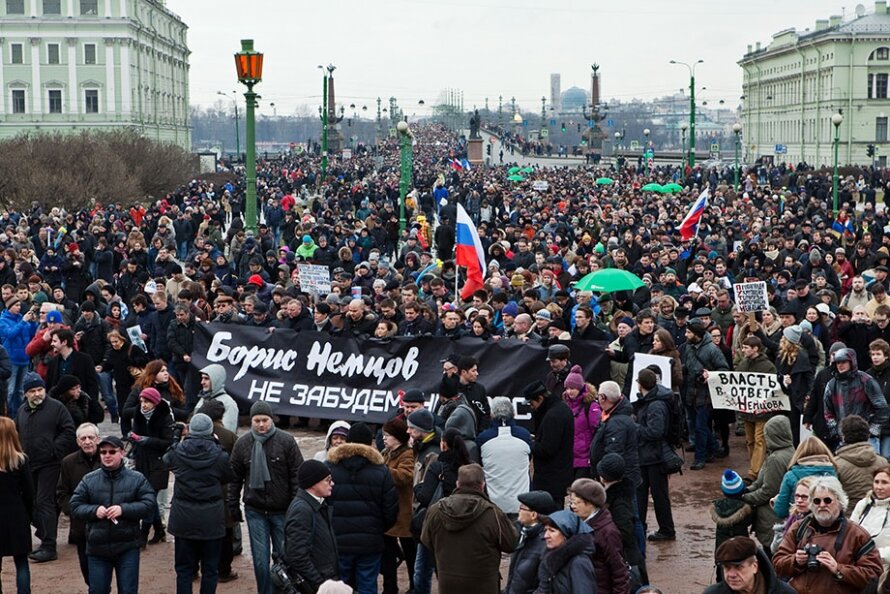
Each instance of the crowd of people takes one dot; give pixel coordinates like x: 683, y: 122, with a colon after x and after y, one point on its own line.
x: 100, y: 309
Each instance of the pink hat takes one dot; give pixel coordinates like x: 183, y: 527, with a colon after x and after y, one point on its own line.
x: 575, y: 379
x: 151, y: 395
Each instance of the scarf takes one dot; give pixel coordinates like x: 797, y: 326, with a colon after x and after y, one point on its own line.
x: 259, y: 467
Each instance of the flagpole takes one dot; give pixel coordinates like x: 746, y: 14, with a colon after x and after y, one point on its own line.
x: 456, y: 269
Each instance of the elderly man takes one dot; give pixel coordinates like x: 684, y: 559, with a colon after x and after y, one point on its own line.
x: 744, y: 567
x: 523, y: 574
x: 824, y: 552
x: 505, y: 449
x: 523, y: 329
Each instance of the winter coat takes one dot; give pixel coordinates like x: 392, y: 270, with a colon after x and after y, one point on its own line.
x: 466, y: 525
x: 552, y: 448
x: 609, y: 565
x: 322, y: 455
x: 697, y: 357
x: 505, y: 451
x: 522, y: 577
x: 586, y: 412
x: 617, y: 434
x: 202, y: 471
x: 364, y: 499
x: 156, y: 434
x: 283, y: 457
x: 46, y: 433
x: 16, y: 333
x: 771, y: 583
x: 619, y: 501
x: 802, y: 379
x: 855, y: 393
x: 17, y: 503
x: 779, y: 450
x: 855, y: 465
x: 310, y: 545
x: 400, y: 463
x: 217, y: 375
x: 874, y: 515
x: 733, y: 518
x: 653, y: 413
x: 856, y: 572
x: 75, y: 466
x: 816, y: 465
x: 568, y: 569
x: 118, y: 362
x: 94, y: 341
x: 180, y: 338
x: 107, y: 487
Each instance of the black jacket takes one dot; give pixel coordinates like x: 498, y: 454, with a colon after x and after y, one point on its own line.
x: 202, y: 471
x: 46, y: 432
x: 81, y: 366
x: 75, y: 466
x: 617, y: 434
x: 772, y: 584
x: 180, y: 338
x: 283, y: 457
x: 523, y: 575
x: 94, y: 341
x: 653, y: 421
x: 364, y: 499
x: 120, y: 486
x: 156, y: 435
x: 552, y: 447
x: 310, y: 545
x: 619, y: 500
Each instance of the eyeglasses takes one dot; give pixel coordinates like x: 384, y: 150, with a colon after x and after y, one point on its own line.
x: 821, y: 500
x: 524, y: 508
x: 801, y: 496
x: 108, y: 452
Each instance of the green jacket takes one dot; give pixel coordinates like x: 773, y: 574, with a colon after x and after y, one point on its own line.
x: 779, y: 449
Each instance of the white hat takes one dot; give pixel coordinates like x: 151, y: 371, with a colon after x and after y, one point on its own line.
x: 694, y: 288
x: 823, y: 308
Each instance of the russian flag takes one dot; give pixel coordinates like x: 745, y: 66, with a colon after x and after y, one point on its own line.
x: 689, y: 226
x: 469, y: 253
x: 456, y: 164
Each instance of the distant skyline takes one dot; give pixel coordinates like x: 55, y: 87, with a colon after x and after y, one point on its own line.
x: 415, y: 49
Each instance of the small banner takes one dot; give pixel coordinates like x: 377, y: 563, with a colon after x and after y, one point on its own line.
x: 751, y: 297
x: 756, y: 393
x: 316, y: 375
x: 314, y: 278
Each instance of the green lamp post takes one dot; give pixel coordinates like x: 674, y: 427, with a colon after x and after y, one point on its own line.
x: 406, y: 156
x: 836, y: 120
x: 683, y: 127
x: 737, y: 130
x: 249, y: 65
x: 691, y: 108
x: 646, y: 133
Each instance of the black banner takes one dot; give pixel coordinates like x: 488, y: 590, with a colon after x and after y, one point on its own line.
x: 312, y: 374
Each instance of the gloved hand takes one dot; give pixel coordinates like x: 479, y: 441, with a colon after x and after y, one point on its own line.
x: 135, y: 438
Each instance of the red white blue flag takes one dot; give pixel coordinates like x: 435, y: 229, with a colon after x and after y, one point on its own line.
x: 469, y: 253
x: 689, y: 226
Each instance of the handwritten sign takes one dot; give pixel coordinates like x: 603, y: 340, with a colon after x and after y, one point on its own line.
x: 751, y: 297
x: 756, y: 393
x: 314, y: 278
x: 644, y: 360
x: 541, y: 185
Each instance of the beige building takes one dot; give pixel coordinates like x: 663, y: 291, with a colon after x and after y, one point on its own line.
x: 794, y: 85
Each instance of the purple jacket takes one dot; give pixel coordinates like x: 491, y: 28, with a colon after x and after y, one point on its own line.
x: 587, y: 419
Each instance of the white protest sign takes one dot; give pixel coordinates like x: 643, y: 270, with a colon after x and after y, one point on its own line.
x: 135, y: 334
x: 642, y: 361
x: 314, y: 278
x: 751, y: 297
x: 541, y: 185
x: 756, y: 393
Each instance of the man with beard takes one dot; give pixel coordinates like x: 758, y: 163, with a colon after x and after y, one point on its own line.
x: 824, y: 552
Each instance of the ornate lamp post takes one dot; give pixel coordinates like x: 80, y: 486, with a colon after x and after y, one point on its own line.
x: 683, y: 127
x: 249, y: 65
x: 837, y: 119
x: 737, y: 130
x: 646, y: 133
x: 691, y: 108
x: 406, y: 158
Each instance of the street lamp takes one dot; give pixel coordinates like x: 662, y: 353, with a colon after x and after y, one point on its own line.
x: 249, y: 66
x: 691, y: 108
x: 646, y: 133
x: 837, y: 119
x: 737, y: 130
x: 237, y: 132
x: 406, y: 158
x: 683, y: 127
x: 324, y: 121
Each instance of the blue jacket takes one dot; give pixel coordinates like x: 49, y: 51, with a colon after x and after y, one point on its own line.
x: 16, y: 333
x: 806, y: 466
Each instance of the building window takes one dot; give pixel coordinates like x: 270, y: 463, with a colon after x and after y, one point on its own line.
x: 881, y: 86
x: 89, y: 53
x: 15, y: 6
x: 55, y: 101
x: 91, y: 101
x: 17, y: 53
x: 18, y: 101
x: 881, y: 53
x: 881, y: 129
x: 89, y: 7
x: 52, y: 7
x: 52, y: 53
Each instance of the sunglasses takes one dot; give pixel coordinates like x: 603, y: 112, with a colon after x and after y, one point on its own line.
x: 821, y: 500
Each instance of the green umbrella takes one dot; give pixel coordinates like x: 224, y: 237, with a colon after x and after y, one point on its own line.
x: 609, y: 280
x: 516, y: 178
x: 605, y: 181
x: 673, y: 188
x: 527, y: 170
x: 651, y: 187
x: 513, y: 170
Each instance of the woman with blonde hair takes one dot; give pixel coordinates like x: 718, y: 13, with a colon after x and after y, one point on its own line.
x: 795, y: 374
x: 16, y: 501
x: 811, y: 458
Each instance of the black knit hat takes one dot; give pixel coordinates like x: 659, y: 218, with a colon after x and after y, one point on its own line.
x: 360, y: 433
x: 65, y: 383
x: 611, y: 467
x: 312, y: 472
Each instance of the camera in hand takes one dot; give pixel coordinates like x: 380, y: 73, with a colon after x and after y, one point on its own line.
x: 812, y: 550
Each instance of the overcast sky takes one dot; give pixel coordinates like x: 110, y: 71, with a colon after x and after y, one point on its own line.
x: 414, y: 49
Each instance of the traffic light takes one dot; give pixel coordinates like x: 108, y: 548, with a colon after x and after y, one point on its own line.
x: 871, y: 151
x: 563, y: 126
x: 488, y: 149
x: 579, y: 127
